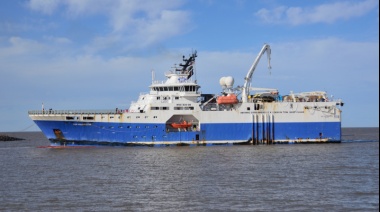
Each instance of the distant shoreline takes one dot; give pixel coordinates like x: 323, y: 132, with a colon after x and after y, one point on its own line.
x: 4, y: 137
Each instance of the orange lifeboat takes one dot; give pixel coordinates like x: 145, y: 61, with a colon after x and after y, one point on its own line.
x: 229, y: 99
x: 183, y: 124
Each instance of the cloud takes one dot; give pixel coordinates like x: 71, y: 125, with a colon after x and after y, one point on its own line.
x: 168, y: 24
x: 46, y: 7
x: 16, y: 46
x: 58, y: 40
x: 133, y: 23
x: 325, y: 13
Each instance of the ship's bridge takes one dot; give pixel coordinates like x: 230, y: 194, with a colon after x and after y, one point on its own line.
x: 175, y: 83
x: 188, y: 88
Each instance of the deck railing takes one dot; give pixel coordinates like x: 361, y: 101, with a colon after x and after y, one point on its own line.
x: 73, y: 112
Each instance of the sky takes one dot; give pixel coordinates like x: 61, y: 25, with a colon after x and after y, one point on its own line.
x: 99, y: 54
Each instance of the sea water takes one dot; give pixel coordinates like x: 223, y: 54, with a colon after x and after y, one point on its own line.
x: 287, y: 177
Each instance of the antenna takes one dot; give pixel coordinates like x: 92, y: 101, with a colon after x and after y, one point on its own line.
x: 152, y: 76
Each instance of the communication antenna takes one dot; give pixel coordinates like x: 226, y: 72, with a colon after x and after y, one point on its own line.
x: 153, y: 75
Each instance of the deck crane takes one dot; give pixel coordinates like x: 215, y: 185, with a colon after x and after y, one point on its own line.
x: 248, y: 78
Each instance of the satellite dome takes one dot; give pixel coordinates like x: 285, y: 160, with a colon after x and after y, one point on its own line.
x: 229, y: 81
x: 222, y: 81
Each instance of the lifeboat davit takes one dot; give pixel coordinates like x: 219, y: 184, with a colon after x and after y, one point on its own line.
x: 183, y: 124
x: 229, y: 99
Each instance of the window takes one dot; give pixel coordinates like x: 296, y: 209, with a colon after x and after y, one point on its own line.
x: 183, y: 108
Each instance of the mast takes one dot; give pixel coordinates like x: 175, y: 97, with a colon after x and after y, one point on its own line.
x: 187, y: 68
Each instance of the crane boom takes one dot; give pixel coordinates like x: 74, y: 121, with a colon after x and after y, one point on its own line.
x: 248, y: 78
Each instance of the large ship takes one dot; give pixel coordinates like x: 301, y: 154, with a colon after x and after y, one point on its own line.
x: 176, y: 112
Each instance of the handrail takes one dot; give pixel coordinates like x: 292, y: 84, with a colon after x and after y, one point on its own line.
x: 74, y: 112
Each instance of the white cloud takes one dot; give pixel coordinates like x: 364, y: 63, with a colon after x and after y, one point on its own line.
x: 325, y: 13
x: 87, y: 7
x: 148, y: 23
x: 16, y: 46
x: 168, y: 24
x: 58, y: 40
x: 134, y: 23
x: 46, y: 7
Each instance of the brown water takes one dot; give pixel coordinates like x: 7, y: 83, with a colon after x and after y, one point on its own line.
x: 291, y: 177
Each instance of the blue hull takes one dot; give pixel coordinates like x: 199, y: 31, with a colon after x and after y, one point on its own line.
x: 86, y: 133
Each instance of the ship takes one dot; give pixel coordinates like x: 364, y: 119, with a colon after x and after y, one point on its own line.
x: 176, y: 112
